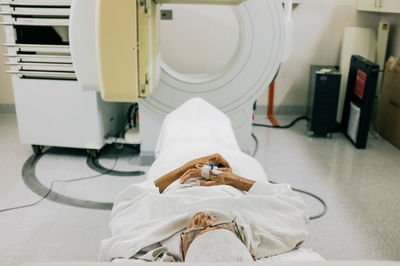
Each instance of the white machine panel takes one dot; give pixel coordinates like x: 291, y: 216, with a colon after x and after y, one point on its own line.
x: 82, y: 41
x: 115, y: 47
x: 58, y: 113
x: 52, y: 109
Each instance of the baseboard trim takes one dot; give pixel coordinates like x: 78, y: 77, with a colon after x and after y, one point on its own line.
x: 7, y: 108
x: 282, y: 110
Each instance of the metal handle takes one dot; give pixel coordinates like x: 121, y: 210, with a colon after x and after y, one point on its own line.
x: 381, y: 3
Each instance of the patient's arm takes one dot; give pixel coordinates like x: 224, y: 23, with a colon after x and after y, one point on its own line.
x: 224, y: 178
x: 170, y: 177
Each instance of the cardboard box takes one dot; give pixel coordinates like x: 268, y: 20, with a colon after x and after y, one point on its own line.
x: 388, y: 117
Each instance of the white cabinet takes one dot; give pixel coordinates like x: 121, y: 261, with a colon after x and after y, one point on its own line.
x: 390, y: 6
x: 384, y: 6
x: 368, y: 5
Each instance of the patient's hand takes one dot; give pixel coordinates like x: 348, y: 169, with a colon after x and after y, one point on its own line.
x: 221, y: 179
x: 215, y: 159
x: 165, y: 180
x: 226, y: 177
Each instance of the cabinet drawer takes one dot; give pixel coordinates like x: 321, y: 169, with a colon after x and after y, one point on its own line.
x: 39, y: 58
x: 42, y: 67
x: 36, y: 2
x: 43, y: 74
x: 35, y: 21
x: 41, y: 49
x: 26, y: 11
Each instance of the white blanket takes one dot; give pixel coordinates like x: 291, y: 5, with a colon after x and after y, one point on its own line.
x: 273, y: 218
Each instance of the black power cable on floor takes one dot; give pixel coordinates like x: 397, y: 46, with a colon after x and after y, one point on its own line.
x: 283, y: 127
x: 94, y: 164
x: 323, y: 203
x: 61, y: 181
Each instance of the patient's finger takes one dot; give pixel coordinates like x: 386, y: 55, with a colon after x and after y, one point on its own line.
x: 199, y: 166
x: 225, y: 169
x: 185, y: 177
x: 193, y: 172
x: 221, y: 160
x: 206, y: 183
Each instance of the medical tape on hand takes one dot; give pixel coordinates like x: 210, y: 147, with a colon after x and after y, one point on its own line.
x: 205, y: 171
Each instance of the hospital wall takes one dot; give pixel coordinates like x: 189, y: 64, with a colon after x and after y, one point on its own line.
x: 318, y: 31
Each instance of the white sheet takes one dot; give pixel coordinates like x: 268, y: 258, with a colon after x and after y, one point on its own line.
x: 301, y: 254
x: 197, y: 129
x: 273, y: 219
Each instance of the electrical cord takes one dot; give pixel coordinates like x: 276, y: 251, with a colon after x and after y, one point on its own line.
x: 294, y: 122
x: 95, y: 165
x: 256, y: 147
x: 323, y: 203
x: 131, y: 115
x: 62, y: 181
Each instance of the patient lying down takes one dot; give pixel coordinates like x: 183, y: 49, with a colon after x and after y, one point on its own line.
x: 207, y: 208
x: 204, y: 222
x: 218, y: 218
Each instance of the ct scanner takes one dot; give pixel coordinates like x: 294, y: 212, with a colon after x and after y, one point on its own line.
x: 75, y: 65
x: 121, y: 38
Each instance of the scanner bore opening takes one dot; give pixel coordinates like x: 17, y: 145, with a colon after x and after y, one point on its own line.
x: 209, y: 43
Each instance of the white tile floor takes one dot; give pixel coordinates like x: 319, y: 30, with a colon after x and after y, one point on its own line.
x: 361, y: 188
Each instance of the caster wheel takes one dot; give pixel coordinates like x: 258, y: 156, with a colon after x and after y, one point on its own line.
x: 329, y: 135
x: 37, y: 149
x: 93, y: 153
x: 310, y: 133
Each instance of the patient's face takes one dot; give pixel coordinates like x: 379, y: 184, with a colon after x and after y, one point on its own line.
x: 202, y: 219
